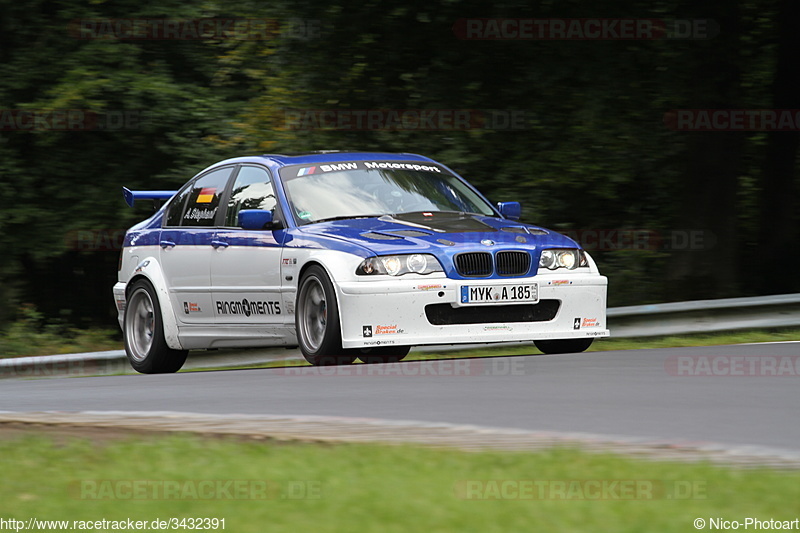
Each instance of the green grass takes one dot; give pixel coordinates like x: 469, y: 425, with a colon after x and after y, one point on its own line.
x: 368, y: 488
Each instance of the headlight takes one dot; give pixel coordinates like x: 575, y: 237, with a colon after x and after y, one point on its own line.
x: 417, y: 263
x: 397, y: 265
x: 568, y: 258
x: 548, y: 259
x: 393, y: 265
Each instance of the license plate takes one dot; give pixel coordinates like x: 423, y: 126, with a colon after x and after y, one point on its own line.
x: 499, y: 294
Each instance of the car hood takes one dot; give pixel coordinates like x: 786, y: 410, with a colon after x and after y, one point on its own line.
x: 432, y: 232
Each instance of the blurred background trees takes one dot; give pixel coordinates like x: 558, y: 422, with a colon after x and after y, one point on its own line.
x: 710, y: 212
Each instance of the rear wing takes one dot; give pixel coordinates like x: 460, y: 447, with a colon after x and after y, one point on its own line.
x: 131, y: 196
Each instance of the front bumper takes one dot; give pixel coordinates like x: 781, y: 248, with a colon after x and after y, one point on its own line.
x: 393, y: 311
x: 120, y: 301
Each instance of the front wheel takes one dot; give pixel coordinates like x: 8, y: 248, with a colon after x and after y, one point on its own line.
x: 145, y: 345
x: 317, y: 320
x: 563, y: 345
x: 384, y: 354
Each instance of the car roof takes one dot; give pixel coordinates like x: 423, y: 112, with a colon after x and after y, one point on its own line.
x: 323, y: 156
x: 336, y: 155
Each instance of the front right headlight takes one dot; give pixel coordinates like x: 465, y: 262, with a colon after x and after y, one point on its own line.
x: 569, y: 258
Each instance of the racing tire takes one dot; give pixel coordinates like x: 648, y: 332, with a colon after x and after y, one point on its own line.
x: 563, y: 345
x: 143, y: 333
x: 383, y: 354
x: 319, y: 333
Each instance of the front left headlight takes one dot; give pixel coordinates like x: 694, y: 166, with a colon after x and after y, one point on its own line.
x: 397, y: 265
x: 569, y: 258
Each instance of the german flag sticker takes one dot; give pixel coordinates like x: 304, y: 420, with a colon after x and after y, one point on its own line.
x: 206, y: 195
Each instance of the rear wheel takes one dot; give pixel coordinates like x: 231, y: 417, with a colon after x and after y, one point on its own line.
x: 384, y: 354
x: 145, y: 345
x: 563, y: 345
x: 317, y: 320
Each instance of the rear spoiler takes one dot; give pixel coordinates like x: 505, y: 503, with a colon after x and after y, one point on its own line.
x: 131, y: 196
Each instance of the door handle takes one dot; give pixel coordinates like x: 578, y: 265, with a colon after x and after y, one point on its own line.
x: 219, y: 244
x: 167, y: 244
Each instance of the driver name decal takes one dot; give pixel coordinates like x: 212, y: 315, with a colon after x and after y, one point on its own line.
x: 200, y: 214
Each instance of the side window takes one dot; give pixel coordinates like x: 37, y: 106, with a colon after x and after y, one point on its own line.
x: 176, y: 207
x: 252, y: 190
x: 204, y: 196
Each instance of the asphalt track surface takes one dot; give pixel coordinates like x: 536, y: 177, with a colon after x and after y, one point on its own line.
x: 738, y: 395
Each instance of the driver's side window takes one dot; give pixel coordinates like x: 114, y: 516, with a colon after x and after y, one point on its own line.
x: 252, y: 190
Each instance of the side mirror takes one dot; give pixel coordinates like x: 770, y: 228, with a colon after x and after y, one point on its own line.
x: 255, y: 219
x: 510, y: 210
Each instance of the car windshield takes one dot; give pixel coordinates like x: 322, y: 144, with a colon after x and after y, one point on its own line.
x: 365, y: 189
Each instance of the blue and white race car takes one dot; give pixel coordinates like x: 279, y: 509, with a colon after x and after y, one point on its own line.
x: 346, y: 255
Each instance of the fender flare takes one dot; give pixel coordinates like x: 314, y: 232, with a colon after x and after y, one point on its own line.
x: 332, y: 262
x: 150, y: 269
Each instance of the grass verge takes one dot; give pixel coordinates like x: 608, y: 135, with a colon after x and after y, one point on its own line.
x: 32, y: 334
x: 365, y: 488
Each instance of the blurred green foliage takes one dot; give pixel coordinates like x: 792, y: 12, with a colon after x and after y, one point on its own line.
x: 34, y: 334
x: 594, y: 154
